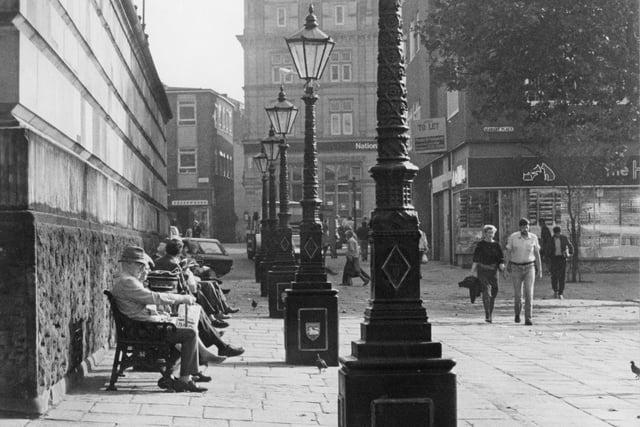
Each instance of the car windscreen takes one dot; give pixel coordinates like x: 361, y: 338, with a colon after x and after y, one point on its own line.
x: 209, y: 248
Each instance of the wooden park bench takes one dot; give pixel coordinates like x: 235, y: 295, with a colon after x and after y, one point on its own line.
x: 142, y: 344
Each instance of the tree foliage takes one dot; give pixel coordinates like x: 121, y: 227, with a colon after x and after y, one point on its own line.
x: 550, y: 64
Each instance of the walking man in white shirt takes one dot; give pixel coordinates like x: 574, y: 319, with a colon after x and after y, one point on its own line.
x: 523, y: 253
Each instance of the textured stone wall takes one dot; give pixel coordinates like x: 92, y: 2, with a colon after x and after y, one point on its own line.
x: 73, y: 267
x: 53, y: 314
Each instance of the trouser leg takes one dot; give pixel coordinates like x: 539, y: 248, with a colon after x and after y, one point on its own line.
x: 517, y: 290
x: 346, y: 273
x: 188, y: 340
x: 208, y: 333
x: 562, y: 275
x: 554, y: 267
x: 528, y: 282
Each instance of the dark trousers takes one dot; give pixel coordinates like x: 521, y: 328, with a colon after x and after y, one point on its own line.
x: 489, y: 280
x: 558, y: 269
x: 207, y: 333
x: 364, y: 249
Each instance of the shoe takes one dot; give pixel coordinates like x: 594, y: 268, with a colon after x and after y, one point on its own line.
x: 232, y: 310
x: 222, y: 316
x: 528, y: 322
x: 230, y: 351
x: 180, y: 386
x: 225, y: 290
x: 555, y: 295
x: 365, y: 283
x: 219, y: 323
x: 517, y: 319
x: 221, y: 333
x: 488, y: 320
x: 201, y: 378
x: 560, y: 296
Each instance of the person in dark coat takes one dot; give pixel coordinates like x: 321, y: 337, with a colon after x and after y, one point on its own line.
x: 488, y: 259
x: 545, y: 242
x: 560, y: 249
x: 363, y: 239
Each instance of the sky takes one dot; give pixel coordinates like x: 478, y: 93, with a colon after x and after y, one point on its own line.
x: 194, y: 44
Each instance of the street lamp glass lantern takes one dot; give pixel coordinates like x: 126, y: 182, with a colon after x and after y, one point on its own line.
x: 260, y: 160
x: 310, y: 49
x: 282, y: 114
x: 270, y: 146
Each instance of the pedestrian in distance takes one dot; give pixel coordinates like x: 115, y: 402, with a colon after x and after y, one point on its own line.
x: 362, y: 233
x: 352, y: 264
x: 196, y: 229
x: 488, y: 259
x: 559, y: 250
x: 523, y: 253
x: 423, y: 249
x: 545, y: 242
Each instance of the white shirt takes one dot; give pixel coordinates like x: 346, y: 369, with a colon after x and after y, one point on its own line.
x: 521, y: 249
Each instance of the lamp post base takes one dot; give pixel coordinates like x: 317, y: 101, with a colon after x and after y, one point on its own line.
x: 396, y: 391
x: 279, y: 279
x: 265, y: 266
x: 311, y: 324
x: 257, y: 260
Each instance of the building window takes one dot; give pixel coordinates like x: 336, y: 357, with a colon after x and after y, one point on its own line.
x: 187, y: 161
x: 340, y: 66
x: 346, y: 72
x: 341, y: 115
x: 452, y: 103
x: 282, y: 17
x: 281, y: 68
x: 339, y: 15
x: 186, y: 113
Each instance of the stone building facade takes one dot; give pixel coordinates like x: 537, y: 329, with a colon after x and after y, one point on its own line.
x: 345, y: 111
x: 200, y: 153
x: 82, y: 174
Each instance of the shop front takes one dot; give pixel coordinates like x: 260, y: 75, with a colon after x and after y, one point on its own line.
x: 500, y: 191
x: 183, y: 213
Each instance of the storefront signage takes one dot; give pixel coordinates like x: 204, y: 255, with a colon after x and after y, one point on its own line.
x: 498, y: 129
x: 533, y: 172
x: 323, y: 146
x: 441, y: 182
x: 189, y: 203
x: 429, y: 135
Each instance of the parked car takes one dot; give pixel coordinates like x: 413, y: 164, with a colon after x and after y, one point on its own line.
x: 210, y: 253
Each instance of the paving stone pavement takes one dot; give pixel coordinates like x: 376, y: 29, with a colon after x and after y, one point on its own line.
x: 570, y: 368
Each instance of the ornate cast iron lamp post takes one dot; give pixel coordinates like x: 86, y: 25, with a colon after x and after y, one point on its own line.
x: 269, y: 147
x: 260, y: 161
x: 395, y: 374
x: 311, y: 319
x: 282, y: 115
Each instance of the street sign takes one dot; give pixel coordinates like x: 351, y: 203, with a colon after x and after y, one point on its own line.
x: 429, y: 135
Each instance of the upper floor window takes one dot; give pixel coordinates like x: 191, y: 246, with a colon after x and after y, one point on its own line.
x: 281, y: 13
x: 187, y: 161
x: 341, y: 116
x: 339, y: 15
x: 186, y: 113
x: 281, y: 68
x: 340, y: 66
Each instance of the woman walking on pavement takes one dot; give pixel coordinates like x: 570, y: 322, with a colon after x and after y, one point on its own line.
x: 487, y: 260
x: 352, y: 265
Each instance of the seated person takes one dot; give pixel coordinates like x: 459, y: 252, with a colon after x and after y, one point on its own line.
x: 132, y: 299
x: 207, y: 322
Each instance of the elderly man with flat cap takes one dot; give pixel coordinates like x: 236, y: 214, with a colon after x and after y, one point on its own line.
x: 132, y: 299
x: 523, y: 253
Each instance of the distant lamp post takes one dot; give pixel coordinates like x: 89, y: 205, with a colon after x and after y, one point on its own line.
x: 354, y: 188
x: 260, y: 161
x: 270, y: 149
x: 396, y: 374
x: 282, y: 115
x: 311, y: 319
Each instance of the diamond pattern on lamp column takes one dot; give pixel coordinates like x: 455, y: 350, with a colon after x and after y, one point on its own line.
x: 396, y: 267
x: 311, y: 247
x: 284, y: 244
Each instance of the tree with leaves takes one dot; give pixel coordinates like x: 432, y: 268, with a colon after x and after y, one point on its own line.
x: 565, y: 70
